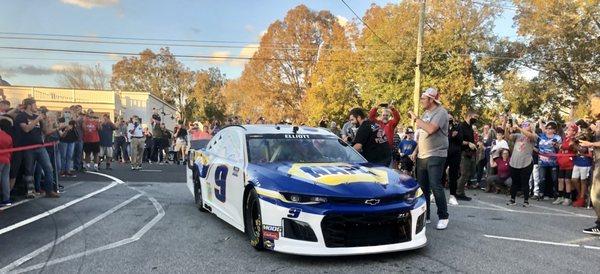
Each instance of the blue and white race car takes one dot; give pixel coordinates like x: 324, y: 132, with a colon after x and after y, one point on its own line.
x: 302, y: 190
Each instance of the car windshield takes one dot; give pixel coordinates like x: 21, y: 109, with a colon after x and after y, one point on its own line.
x: 300, y: 148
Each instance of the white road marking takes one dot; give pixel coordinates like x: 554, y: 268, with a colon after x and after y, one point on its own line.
x: 541, y: 242
x: 71, y: 233
x: 160, y: 214
x: 493, y: 205
x: 526, y: 212
x: 581, y: 240
x: 29, y: 200
x: 54, y: 210
x: 150, y: 170
x: 562, y: 211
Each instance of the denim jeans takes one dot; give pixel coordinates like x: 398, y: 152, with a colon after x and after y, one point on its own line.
x: 39, y: 156
x: 78, y: 155
x: 4, y: 181
x: 548, y: 180
x: 65, y: 164
x: 429, y: 176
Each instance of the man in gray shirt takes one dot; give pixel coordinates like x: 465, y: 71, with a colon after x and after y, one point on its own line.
x: 431, y: 152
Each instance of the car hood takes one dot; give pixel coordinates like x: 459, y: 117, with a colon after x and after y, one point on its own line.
x: 331, y: 179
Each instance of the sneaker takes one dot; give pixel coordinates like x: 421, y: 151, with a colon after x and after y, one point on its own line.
x: 71, y: 174
x: 595, y: 230
x: 427, y: 221
x: 5, y: 203
x: 133, y: 168
x: 526, y: 204
x: 52, y: 195
x: 567, y: 202
x: 442, y: 224
x: 30, y: 194
x: 463, y: 197
x: 579, y: 203
x: 452, y: 200
x: 511, y: 203
x: 558, y: 201
x: 96, y: 167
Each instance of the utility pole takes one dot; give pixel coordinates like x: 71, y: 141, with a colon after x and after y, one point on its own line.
x: 417, y: 90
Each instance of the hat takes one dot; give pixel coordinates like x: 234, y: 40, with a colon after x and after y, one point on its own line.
x: 433, y: 94
x: 409, y: 130
x: 552, y: 124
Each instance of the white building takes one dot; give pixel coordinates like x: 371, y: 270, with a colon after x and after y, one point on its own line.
x: 116, y: 103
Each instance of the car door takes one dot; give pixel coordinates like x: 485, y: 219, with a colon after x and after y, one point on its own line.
x: 225, y: 184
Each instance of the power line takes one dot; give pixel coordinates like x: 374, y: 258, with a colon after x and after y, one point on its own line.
x: 205, y: 57
x: 366, y: 25
x: 172, y: 45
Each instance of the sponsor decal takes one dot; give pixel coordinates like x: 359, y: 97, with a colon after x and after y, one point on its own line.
x: 236, y: 170
x: 270, y: 235
x: 336, y: 174
x: 271, y: 228
x: 403, y: 215
x: 297, y: 136
x: 294, y: 212
x: 269, y: 244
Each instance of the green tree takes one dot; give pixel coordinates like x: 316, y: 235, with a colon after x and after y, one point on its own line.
x: 207, y: 94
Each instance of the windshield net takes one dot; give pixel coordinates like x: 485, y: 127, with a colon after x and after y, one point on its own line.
x: 300, y: 148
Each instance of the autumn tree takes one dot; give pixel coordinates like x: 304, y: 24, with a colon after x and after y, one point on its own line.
x: 562, y: 45
x: 279, y: 73
x: 455, y: 33
x: 207, y: 95
x: 83, y: 77
x: 333, y: 91
x: 158, y: 73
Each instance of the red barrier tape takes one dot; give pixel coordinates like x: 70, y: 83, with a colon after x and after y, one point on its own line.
x: 15, y: 149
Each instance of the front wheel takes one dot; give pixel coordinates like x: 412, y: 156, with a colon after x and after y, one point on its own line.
x: 253, y: 220
x: 198, y: 193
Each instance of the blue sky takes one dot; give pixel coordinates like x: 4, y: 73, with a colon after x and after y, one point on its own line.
x: 240, y: 20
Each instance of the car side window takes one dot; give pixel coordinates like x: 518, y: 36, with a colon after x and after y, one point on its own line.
x: 233, y: 151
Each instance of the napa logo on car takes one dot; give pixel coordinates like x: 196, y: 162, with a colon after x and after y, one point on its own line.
x: 336, y: 174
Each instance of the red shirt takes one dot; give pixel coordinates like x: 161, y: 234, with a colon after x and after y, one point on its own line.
x: 388, y: 127
x: 564, y: 157
x: 5, y: 143
x: 90, y: 131
x: 503, y: 168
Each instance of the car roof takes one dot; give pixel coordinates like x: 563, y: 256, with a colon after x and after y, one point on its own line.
x: 285, y: 129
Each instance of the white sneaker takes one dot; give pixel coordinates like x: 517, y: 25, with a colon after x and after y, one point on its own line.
x: 432, y: 198
x: 442, y: 224
x: 558, y: 201
x: 452, y: 200
x: 427, y: 221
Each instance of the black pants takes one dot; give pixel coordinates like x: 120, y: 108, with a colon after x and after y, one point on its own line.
x: 157, y: 147
x: 453, y: 166
x: 121, y: 149
x: 520, y: 181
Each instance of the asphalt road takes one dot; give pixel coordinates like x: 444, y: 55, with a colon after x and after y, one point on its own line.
x: 149, y: 224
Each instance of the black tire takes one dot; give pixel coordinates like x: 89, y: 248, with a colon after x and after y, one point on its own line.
x: 253, y: 220
x: 198, y: 193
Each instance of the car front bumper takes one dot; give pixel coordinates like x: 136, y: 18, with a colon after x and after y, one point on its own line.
x: 274, y: 234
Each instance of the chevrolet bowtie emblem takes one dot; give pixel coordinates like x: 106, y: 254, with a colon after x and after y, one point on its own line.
x: 372, y: 201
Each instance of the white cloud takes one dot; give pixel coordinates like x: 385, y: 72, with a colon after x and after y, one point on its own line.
x: 342, y: 20
x: 114, y: 57
x: 219, y: 57
x: 89, y: 4
x: 61, y: 67
x: 261, y: 34
x: 249, y: 28
x: 246, y: 52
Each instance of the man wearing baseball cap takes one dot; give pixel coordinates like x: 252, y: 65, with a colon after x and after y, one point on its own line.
x: 431, y: 152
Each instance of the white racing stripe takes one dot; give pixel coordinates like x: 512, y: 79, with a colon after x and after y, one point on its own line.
x: 160, y: 213
x: 541, y: 242
x: 67, y: 236
x: 56, y: 209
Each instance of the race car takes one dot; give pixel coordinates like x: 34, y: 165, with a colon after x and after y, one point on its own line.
x: 303, y: 190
